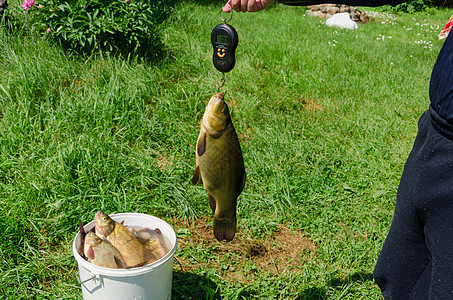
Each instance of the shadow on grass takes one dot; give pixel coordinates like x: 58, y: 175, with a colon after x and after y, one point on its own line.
x: 321, y: 292
x: 188, y: 285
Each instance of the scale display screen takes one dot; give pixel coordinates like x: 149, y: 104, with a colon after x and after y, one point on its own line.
x: 221, y: 38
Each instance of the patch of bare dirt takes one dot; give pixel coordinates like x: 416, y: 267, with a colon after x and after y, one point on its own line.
x: 312, y: 105
x: 163, y: 162
x: 281, y: 251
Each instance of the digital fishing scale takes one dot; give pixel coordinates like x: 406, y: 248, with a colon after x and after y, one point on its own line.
x: 224, y: 39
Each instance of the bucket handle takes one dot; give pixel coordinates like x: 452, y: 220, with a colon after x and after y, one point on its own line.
x: 94, y: 277
x: 81, y: 282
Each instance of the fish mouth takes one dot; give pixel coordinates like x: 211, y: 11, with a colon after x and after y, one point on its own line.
x: 218, y: 100
x: 216, y: 104
x: 216, y: 115
x: 219, y: 96
x: 98, y: 215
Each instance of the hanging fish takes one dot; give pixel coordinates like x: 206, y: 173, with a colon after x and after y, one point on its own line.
x: 220, y: 166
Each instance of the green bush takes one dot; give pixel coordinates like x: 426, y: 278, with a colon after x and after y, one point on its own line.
x: 13, y: 17
x: 125, y: 27
x: 412, y: 6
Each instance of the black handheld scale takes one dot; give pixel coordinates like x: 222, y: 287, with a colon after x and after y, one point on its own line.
x: 224, y: 39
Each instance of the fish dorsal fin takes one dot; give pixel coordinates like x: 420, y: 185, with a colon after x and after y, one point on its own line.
x: 201, y: 143
x: 196, y: 178
x: 122, y: 222
x: 82, y: 231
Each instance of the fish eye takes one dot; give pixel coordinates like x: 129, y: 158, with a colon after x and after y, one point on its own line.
x: 104, y: 219
x: 222, y: 111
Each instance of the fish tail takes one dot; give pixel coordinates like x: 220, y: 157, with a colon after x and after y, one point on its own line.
x: 224, y: 231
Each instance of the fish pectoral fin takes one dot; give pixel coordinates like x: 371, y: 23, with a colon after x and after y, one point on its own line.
x: 196, y: 177
x: 212, y: 203
x: 120, y: 264
x: 224, y: 231
x: 201, y: 143
x: 90, y: 252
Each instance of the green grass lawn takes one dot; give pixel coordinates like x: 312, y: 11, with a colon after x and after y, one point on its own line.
x: 326, y: 118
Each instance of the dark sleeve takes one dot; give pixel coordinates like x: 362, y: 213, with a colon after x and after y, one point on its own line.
x: 347, y: 2
x: 441, y: 84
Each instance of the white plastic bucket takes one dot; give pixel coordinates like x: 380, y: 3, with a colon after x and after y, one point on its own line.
x: 150, y: 282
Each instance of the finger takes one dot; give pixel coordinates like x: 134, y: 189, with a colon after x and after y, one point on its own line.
x: 227, y: 7
x: 251, y: 5
x: 262, y: 4
x: 258, y: 5
x: 236, y: 5
x: 244, y: 4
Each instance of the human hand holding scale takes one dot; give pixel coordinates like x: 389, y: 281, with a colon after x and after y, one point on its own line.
x: 247, y: 5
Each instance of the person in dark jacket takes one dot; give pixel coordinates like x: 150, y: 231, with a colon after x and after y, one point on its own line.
x: 416, y: 261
